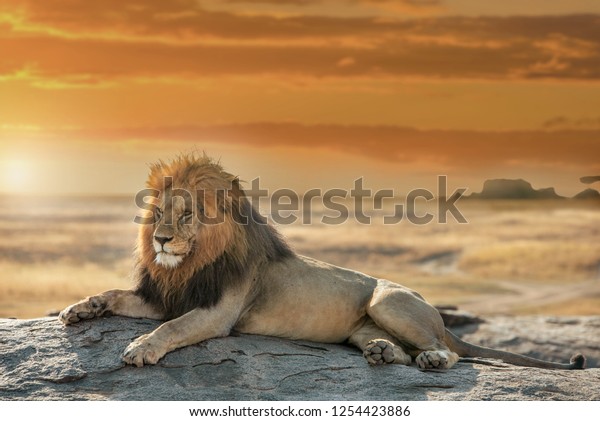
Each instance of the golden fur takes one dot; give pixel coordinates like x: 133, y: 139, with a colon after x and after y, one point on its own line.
x: 207, y: 279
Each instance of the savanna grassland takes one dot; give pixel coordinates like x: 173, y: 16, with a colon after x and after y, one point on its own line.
x: 522, y: 257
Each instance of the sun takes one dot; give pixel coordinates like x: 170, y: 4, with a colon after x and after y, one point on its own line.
x: 17, y: 175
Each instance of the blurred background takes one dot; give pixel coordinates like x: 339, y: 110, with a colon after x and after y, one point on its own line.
x: 309, y: 94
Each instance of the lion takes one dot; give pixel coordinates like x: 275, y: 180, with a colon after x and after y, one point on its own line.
x: 208, y: 264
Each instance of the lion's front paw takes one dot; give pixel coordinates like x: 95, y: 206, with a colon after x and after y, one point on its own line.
x: 86, y: 309
x: 143, y: 351
x: 432, y: 360
x: 381, y: 351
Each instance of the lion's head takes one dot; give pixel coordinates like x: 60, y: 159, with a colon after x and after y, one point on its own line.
x: 193, y: 220
x: 203, y: 233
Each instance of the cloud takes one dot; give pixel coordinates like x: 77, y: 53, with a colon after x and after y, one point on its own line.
x: 565, y: 123
x: 416, y: 3
x: 81, y: 58
x: 445, y: 149
x: 292, y: 2
x: 80, y: 40
x: 186, y: 20
x: 590, y: 179
x: 410, y: 6
x: 179, y: 20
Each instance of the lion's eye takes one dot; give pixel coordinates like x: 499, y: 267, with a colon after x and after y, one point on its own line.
x: 186, y: 217
x: 158, y: 213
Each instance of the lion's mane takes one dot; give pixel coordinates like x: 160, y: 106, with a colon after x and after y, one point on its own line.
x: 235, y: 254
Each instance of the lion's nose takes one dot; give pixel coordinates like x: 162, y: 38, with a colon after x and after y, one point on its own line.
x: 162, y: 240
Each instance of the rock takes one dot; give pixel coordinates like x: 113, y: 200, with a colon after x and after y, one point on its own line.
x: 502, y: 189
x: 41, y: 359
x: 454, y: 317
x: 587, y: 194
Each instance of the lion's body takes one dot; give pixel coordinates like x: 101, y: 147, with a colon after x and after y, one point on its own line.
x: 212, y: 266
x: 319, y: 302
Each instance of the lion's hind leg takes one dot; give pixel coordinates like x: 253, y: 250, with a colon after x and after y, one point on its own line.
x: 440, y: 359
x: 406, y: 316
x: 378, y: 346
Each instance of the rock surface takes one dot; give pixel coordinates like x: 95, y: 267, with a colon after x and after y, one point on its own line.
x: 41, y: 359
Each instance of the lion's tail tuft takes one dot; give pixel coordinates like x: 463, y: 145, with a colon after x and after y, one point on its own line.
x: 578, y: 362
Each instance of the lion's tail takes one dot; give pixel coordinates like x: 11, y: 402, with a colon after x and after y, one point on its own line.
x: 465, y: 349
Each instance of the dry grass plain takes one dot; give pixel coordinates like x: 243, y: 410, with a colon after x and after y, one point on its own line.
x: 511, y: 258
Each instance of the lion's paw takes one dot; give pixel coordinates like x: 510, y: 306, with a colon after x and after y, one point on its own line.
x: 433, y: 360
x: 381, y: 351
x: 143, y: 351
x: 86, y: 309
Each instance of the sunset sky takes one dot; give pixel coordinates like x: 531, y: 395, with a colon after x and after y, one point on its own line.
x: 303, y: 93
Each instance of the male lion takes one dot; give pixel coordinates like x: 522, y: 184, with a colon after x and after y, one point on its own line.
x: 208, y: 264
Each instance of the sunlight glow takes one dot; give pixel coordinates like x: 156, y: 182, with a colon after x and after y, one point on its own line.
x: 17, y: 176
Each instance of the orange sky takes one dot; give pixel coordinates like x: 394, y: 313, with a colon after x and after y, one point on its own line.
x: 304, y: 93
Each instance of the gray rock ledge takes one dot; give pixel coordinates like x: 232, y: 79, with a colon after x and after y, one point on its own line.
x: 42, y: 360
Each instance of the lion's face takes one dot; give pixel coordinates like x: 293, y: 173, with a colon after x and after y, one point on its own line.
x: 187, y: 223
x: 176, y: 225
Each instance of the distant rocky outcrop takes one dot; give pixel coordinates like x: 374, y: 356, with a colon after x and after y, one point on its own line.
x: 587, y: 194
x: 42, y: 360
x: 504, y: 189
